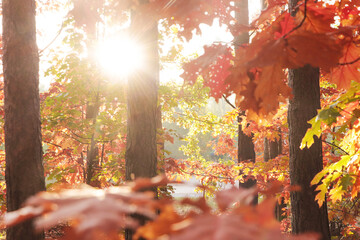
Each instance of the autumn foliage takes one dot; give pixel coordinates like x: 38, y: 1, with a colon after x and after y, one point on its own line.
x: 93, y: 213
x: 81, y: 112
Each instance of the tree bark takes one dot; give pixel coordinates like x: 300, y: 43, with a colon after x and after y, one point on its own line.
x: 141, y: 155
x: 305, y: 164
x: 141, y: 144
x: 23, y: 147
x: 246, y: 150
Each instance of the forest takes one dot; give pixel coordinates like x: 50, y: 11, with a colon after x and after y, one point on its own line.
x: 110, y: 106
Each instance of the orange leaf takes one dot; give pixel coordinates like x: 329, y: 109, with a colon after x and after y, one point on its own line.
x: 318, y: 18
x: 161, y: 226
x: 270, y: 85
x: 318, y: 50
x: 348, y: 69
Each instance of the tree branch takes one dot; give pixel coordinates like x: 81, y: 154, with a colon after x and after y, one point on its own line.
x: 349, y: 63
x: 331, y: 144
x: 52, y: 41
x: 228, y: 102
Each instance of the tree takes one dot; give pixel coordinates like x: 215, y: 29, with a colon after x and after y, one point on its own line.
x: 305, y: 163
x: 23, y: 147
x: 246, y: 151
x: 142, y: 103
x: 141, y: 144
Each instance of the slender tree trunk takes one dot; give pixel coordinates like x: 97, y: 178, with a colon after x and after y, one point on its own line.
x: 274, y: 149
x: 92, y: 109
x: 141, y: 144
x: 23, y: 147
x: 246, y: 150
x: 306, y: 163
x: 92, y: 156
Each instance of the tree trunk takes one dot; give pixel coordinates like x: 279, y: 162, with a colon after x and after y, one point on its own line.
x: 142, y: 108
x: 92, y: 156
x: 266, y: 150
x: 23, y: 147
x: 306, y: 215
x: 305, y: 164
x: 246, y: 150
x: 141, y: 145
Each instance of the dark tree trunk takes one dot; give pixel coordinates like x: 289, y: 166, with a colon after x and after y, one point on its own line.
x: 23, y: 147
x: 246, y: 150
x: 274, y: 150
x: 141, y: 145
x: 305, y: 164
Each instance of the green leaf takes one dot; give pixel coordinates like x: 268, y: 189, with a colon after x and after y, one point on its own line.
x: 329, y: 115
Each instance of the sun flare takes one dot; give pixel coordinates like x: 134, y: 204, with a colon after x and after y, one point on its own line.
x: 119, y: 57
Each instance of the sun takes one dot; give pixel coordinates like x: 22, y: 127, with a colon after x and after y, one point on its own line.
x: 119, y: 57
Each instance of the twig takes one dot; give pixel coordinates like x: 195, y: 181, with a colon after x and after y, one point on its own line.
x: 349, y: 63
x: 52, y: 41
x: 228, y: 102
x: 200, y: 120
x: 300, y: 24
x: 205, y: 175
x: 53, y: 144
x: 335, y: 146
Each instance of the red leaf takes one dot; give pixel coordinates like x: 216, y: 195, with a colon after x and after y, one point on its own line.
x: 227, y: 198
x: 348, y: 70
x: 196, y: 67
x: 217, y: 74
x: 91, y: 210
x: 141, y: 184
x: 287, y: 24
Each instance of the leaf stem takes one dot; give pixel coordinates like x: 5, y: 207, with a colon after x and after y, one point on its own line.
x: 300, y: 24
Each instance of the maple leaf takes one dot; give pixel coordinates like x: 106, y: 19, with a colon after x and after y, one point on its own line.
x: 216, y: 76
x: 85, y: 13
x: 247, y: 98
x: 272, y: 11
x: 91, y: 210
x: 317, y: 50
x: 349, y: 13
x: 188, y: 14
x: 348, y: 68
x: 287, y: 24
x: 227, y: 198
x: 270, y: 85
x: 223, y: 9
x: 199, y: 65
x: 224, y: 226
x: 141, y: 184
x: 318, y: 17
x: 161, y: 226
